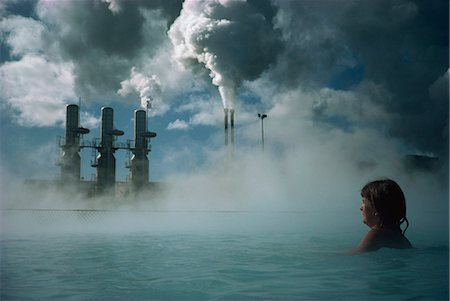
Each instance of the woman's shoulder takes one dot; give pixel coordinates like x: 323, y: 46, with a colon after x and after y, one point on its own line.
x: 388, y: 238
x: 394, y: 239
x: 376, y: 239
x: 370, y: 242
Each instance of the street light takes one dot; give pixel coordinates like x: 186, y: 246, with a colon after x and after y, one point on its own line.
x: 262, y: 116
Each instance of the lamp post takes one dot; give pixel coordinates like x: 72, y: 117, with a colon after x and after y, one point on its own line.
x: 262, y: 116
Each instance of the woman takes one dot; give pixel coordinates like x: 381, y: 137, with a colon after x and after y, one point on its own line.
x: 383, y: 210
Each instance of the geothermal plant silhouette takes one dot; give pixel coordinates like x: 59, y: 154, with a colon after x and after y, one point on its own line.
x: 103, y: 151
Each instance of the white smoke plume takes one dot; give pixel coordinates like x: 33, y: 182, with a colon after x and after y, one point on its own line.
x: 113, y: 5
x: 178, y: 125
x: 234, y: 40
x: 147, y: 86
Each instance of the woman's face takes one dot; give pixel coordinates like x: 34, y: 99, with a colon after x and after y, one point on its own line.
x: 369, y: 214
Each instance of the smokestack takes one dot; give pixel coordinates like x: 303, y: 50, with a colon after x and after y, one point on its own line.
x: 140, y: 127
x: 229, y: 122
x: 225, y: 121
x: 139, y: 161
x: 106, y: 163
x: 232, y: 128
x: 70, y: 160
x: 139, y: 166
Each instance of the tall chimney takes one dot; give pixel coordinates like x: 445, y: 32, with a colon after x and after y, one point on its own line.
x: 139, y: 161
x: 225, y: 120
x: 70, y: 160
x: 139, y: 166
x: 106, y: 168
x: 232, y: 127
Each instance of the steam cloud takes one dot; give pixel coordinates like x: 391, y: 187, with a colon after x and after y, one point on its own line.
x: 368, y: 77
x: 54, y: 51
x: 388, y: 55
x: 350, y: 88
x: 234, y: 40
x: 113, y: 37
x: 322, y: 50
x: 148, y: 87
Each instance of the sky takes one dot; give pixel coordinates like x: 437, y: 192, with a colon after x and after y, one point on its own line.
x: 350, y: 87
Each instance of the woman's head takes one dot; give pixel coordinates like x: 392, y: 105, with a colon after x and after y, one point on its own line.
x: 387, y: 199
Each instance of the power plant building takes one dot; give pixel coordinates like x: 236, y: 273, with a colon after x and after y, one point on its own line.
x: 104, y: 149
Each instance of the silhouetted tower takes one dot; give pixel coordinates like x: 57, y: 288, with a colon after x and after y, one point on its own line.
x: 228, y: 133
x: 70, y: 160
x: 139, y: 166
x: 232, y: 130
x: 106, y: 162
x: 225, y: 126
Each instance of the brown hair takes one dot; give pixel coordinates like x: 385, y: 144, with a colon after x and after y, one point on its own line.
x: 388, y: 199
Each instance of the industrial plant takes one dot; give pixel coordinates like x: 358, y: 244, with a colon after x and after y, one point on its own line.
x: 103, y: 150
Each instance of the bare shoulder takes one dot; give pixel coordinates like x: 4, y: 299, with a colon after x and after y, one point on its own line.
x: 370, y: 242
x: 395, y: 240
x: 376, y: 239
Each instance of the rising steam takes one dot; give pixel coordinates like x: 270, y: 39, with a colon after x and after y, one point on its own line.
x: 234, y: 40
x: 148, y: 87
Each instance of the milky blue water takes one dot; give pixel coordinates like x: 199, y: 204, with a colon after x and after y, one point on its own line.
x: 210, y: 256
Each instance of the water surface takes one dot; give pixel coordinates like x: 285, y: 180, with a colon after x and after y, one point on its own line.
x: 275, y: 263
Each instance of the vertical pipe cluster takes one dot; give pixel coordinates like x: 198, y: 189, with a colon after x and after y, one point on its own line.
x: 106, y: 162
x: 70, y: 160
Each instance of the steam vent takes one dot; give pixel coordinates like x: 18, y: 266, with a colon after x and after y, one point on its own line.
x: 103, y: 150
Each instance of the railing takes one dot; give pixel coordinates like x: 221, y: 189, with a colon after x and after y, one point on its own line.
x: 95, y: 144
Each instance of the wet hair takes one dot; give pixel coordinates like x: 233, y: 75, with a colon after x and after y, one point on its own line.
x: 388, y: 199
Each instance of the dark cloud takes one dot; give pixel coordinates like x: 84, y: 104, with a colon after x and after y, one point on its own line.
x: 399, y: 46
x: 103, y: 41
x: 92, y: 26
x: 404, y: 47
x: 24, y: 8
x: 170, y: 9
x: 313, y: 46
